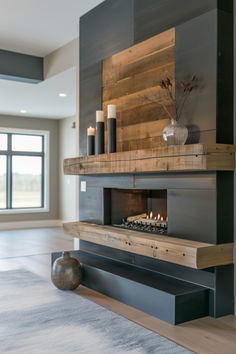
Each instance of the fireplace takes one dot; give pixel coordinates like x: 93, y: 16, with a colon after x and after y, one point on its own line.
x: 138, y: 210
x: 186, y: 272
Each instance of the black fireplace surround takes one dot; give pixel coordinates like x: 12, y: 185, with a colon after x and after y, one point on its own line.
x: 199, y: 206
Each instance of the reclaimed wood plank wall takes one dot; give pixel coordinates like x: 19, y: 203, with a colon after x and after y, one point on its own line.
x: 131, y: 80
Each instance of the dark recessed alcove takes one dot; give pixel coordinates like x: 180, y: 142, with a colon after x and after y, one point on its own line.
x: 140, y: 210
x: 126, y: 203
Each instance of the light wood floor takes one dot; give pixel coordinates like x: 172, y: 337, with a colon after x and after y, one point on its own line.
x: 30, y: 249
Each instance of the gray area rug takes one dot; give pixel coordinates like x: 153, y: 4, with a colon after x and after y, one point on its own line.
x: 35, y: 317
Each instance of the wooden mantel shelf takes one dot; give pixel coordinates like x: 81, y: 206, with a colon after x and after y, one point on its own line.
x: 175, y: 250
x: 195, y: 157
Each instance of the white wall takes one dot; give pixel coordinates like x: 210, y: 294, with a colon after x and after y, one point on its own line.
x: 67, y: 184
x: 61, y: 59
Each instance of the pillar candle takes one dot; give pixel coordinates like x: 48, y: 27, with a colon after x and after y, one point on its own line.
x: 111, y: 128
x: 111, y: 111
x: 90, y: 140
x: 99, y: 137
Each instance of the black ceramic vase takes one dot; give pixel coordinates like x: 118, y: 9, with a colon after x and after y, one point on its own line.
x: 66, y: 272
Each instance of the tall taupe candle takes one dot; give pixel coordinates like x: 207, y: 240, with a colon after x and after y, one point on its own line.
x: 90, y: 140
x: 111, y: 128
x: 99, y: 136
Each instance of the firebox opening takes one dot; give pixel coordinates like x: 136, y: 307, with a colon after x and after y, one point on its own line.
x: 139, y: 210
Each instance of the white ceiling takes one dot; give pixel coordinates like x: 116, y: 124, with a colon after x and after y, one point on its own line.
x: 40, y: 100
x: 38, y: 27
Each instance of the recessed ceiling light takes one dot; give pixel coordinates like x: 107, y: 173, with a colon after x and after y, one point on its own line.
x: 62, y: 94
x: 23, y: 111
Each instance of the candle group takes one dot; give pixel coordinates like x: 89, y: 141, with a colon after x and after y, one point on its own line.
x: 90, y: 140
x: 95, y: 140
x: 91, y: 131
x: 99, y: 137
x: 111, y: 128
x: 111, y: 111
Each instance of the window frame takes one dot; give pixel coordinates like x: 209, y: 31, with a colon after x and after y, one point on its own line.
x: 45, y: 169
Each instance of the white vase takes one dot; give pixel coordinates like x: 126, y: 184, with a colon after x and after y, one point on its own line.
x: 175, y: 133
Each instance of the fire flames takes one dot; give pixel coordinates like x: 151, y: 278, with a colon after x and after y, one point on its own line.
x: 158, y: 217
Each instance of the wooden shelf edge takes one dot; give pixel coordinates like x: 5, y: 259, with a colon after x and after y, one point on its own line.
x: 191, y: 158
x: 187, y: 253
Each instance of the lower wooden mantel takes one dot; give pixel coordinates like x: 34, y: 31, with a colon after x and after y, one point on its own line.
x: 192, y: 254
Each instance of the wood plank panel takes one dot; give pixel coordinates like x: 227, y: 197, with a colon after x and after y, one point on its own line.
x: 196, y: 157
x: 139, y: 136
x: 137, y: 82
x: 138, y: 99
x: 157, y: 59
x: 145, y: 143
x: 113, y: 74
x: 140, y: 50
x: 131, y: 81
x: 142, y: 130
x: 139, y: 114
x: 183, y: 252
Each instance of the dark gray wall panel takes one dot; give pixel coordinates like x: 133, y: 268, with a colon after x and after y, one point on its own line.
x: 105, y: 30
x: 110, y: 181
x: 225, y: 78
x: 176, y: 180
x: 191, y: 201
x: 196, y: 48
x: 226, y: 5
x: 224, y: 291
x: 154, y: 16
x: 192, y: 214
x: 90, y: 101
x: 225, y: 207
x: 155, y: 302
x: 91, y: 205
x: 20, y: 67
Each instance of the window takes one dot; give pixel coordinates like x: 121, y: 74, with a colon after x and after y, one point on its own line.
x: 22, y: 171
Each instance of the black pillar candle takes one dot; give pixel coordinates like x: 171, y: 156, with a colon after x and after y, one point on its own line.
x: 111, y: 129
x: 90, y: 141
x: 99, y: 136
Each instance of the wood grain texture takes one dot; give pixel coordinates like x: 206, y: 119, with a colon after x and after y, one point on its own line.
x: 131, y: 80
x: 196, y: 157
x: 183, y: 252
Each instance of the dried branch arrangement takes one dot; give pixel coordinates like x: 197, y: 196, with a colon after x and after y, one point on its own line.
x: 179, y: 104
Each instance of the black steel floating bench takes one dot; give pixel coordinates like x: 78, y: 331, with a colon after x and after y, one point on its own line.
x: 167, y: 298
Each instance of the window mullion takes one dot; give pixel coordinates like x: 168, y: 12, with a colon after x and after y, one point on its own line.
x: 10, y: 162
x: 43, y: 173
x: 9, y: 173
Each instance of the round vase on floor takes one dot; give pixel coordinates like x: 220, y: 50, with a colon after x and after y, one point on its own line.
x: 66, y: 272
x: 175, y: 133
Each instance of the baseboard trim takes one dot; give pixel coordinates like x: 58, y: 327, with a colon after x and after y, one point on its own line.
x: 33, y: 224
